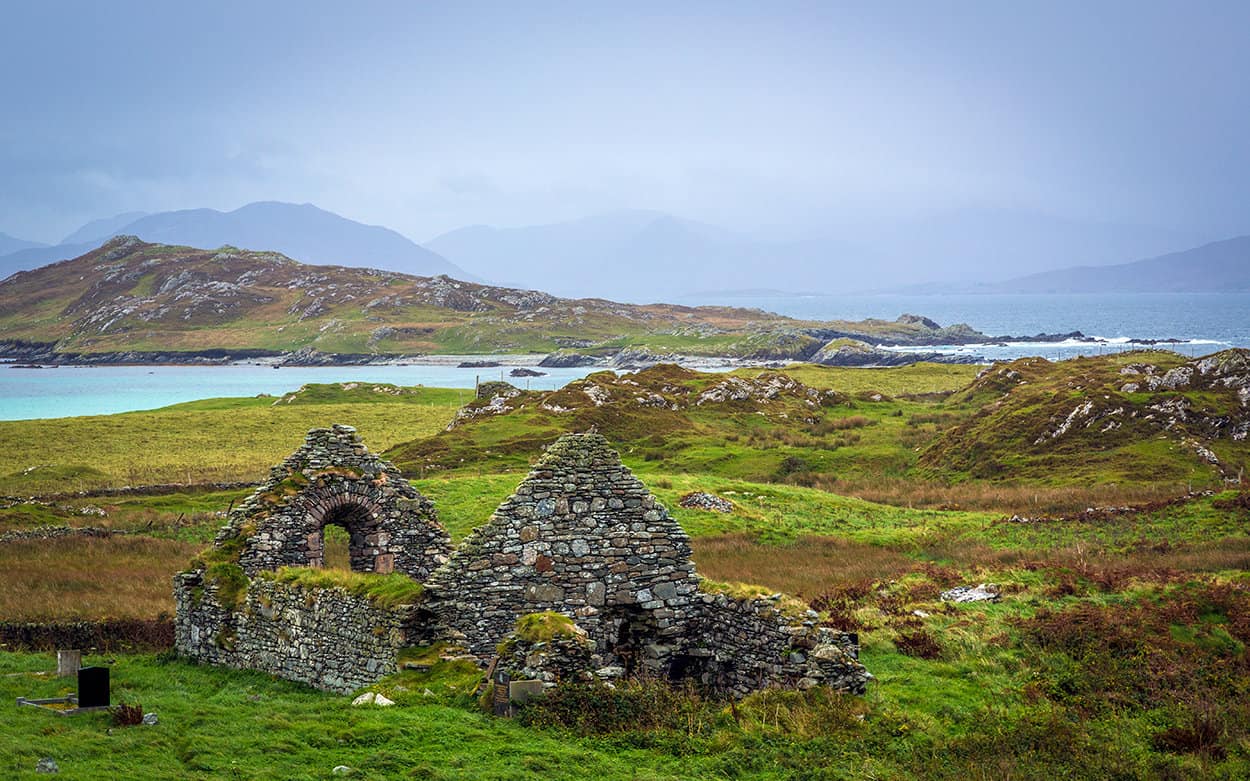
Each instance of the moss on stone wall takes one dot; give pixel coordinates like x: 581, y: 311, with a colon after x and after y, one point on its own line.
x: 389, y: 590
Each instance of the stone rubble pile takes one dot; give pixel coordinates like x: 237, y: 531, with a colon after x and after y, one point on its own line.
x: 702, y: 500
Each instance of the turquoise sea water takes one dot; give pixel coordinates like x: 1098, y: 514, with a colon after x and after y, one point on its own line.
x: 98, y: 390
x: 1205, y: 322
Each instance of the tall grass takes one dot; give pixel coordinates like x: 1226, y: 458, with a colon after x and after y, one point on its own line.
x: 806, y: 567
x: 1024, y: 499
x: 89, y: 578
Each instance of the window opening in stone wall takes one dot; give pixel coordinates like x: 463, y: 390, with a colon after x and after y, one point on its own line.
x: 342, y: 541
x: 336, y: 547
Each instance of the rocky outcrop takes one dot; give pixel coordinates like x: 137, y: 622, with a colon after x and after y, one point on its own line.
x: 567, y: 359
x: 852, y: 352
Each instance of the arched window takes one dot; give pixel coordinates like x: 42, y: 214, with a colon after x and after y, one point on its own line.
x: 354, y: 542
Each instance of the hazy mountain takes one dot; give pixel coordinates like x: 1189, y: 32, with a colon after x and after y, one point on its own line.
x: 646, y: 255
x: 305, y: 232
x: 960, y: 247
x: 10, y: 244
x: 649, y: 256
x: 97, y: 231
x: 1215, y: 267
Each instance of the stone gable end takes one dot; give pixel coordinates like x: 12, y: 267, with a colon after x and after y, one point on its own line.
x: 580, y: 535
x: 334, y: 479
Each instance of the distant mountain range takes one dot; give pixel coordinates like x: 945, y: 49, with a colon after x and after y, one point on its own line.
x: 647, y: 256
x: 314, y: 235
x: 10, y: 244
x: 1215, y: 267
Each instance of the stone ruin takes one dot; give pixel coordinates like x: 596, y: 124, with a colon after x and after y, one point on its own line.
x: 334, y: 480
x: 581, y: 540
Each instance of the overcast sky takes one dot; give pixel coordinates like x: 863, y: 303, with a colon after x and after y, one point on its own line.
x: 785, y: 118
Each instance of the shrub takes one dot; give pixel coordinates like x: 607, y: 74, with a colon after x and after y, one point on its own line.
x: 1203, y: 735
x: 918, y: 643
x: 125, y: 715
x: 629, y: 706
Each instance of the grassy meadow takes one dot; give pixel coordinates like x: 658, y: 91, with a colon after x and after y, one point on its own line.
x: 1118, y: 649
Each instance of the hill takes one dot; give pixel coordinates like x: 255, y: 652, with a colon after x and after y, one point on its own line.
x: 1134, y: 417
x: 1145, y: 418
x: 314, y: 235
x: 133, y: 301
x: 1220, y: 266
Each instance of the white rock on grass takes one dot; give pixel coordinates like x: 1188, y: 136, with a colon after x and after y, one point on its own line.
x: 985, y: 592
x: 370, y: 698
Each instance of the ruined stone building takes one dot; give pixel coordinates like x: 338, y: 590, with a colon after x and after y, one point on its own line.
x: 581, y: 536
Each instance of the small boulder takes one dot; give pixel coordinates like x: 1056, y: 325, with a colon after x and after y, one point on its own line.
x: 151, y: 719
x: 370, y: 698
x: 47, y: 765
x: 985, y: 592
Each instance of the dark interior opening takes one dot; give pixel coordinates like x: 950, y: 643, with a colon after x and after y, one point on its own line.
x: 341, y: 542
x: 684, y: 667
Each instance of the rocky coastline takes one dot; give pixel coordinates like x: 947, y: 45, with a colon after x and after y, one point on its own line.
x: 827, y: 347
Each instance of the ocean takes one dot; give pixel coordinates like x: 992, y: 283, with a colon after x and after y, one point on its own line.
x: 102, y: 390
x: 1204, y: 323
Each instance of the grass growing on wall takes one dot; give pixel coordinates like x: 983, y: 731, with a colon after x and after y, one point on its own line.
x: 389, y: 590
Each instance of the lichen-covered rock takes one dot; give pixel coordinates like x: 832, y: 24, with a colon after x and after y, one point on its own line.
x: 702, y: 500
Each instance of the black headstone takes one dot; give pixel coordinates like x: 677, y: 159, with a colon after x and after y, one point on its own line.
x: 93, y: 687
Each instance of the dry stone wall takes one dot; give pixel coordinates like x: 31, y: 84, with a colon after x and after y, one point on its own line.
x: 582, y: 536
x: 324, y: 637
x: 740, y: 645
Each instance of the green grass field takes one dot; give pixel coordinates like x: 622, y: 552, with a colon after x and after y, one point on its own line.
x: 213, y: 440
x: 1119, y: 649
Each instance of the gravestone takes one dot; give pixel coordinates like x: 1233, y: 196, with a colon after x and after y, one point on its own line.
x: 500, y: 702
x: 93, y: 687
x: 521, y: 692
x: 68, y: 661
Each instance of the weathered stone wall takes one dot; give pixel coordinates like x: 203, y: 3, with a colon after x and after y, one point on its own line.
x: 327, y: 638
x: 334, y: 479
x: 739, y: 646
x: 582, y: 536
